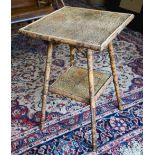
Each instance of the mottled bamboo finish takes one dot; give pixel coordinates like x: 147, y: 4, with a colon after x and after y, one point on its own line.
x: 114, y: 72
x: 72, y: 53
x: 92, y: 98
x: 46, y: 83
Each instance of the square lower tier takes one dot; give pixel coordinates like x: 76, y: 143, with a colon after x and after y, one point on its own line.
x: 74, y: 84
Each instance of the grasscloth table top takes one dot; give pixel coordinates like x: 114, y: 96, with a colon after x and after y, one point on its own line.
x: 81, y: 27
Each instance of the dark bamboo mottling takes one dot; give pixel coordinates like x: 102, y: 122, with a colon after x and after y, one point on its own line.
x: 46, y: 83
x: 72, y: 53
x: 92, y: 98
x: 115, y: 77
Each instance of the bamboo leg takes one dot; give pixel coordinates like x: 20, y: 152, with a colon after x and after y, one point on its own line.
x: 92, y: 101
x: 115, y: 77
x: 58, y: 4
x: 63, y: 4
x: 72, y: 52
x: 46, y: 83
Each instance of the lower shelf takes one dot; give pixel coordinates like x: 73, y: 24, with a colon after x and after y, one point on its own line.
x: 74, y: 84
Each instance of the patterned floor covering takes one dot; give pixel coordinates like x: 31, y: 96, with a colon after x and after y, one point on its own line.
x: 67, y: 129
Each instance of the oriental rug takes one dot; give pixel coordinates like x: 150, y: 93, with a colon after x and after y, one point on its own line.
x: 67, y: 129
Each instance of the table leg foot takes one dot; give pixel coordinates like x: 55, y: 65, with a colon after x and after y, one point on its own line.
x: 120, y: 106
x: 114, y: 73
x: 94, y: 149
x: 46, y: 84
x: 42, y: 125
x: 92, y: 153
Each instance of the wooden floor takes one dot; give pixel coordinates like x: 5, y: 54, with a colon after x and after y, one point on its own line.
x: 25, y: 14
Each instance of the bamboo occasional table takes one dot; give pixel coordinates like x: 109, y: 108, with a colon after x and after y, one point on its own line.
x: 80, y: 28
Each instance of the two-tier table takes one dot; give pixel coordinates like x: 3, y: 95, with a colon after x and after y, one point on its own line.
x: 80, y: 28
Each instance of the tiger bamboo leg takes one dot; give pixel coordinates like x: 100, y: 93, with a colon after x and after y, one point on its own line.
x: 57, y: 4
x: 63, y: 4
x: 46, y: 83
x: 72, y: 52
x: 114, y: 73
x: 92, y: 99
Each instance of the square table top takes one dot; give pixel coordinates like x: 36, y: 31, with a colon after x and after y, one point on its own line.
x: 81, y: 27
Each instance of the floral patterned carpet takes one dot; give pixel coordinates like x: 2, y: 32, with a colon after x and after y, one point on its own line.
x: 67, y: 129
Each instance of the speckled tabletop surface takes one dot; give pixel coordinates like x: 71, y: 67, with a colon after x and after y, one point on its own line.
x: 87, y: 28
